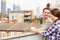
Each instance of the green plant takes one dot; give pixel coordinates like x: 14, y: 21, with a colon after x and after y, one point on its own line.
x: 41, y: 20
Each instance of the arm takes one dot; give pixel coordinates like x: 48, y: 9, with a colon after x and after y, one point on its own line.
x: 50, y: 30
x: 47, y: 23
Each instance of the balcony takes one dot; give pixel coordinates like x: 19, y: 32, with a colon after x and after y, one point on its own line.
x: 24, y: 37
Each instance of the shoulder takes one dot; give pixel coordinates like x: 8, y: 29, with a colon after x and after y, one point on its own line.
x: 57, y: 23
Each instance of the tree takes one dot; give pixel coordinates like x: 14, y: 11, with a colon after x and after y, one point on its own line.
x: 1, y: 15
x: 41, y: 20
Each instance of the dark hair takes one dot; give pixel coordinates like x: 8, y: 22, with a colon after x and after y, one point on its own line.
x: 48, y: 5
x: 55, y: 12
x: 46, y: 8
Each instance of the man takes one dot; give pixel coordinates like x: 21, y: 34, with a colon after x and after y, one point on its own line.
x: 53, y: 32
x: 46, y: 21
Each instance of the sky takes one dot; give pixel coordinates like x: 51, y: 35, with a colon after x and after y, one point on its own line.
x: 28, y: 4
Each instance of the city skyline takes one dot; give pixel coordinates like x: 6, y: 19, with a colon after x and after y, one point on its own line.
x: 28, y: 4
x: 3, y: 6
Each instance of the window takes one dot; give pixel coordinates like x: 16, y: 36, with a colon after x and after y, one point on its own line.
x: 4, y: 34
x: 11, y: 33
x: 14, y: 17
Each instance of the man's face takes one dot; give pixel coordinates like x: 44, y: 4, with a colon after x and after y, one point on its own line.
x: 46, y: 13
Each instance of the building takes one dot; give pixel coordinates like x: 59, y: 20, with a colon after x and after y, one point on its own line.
x: 0, y: 5
x: 3, y: 19
x: 38, y: 11
x: 16, y: 7
x: 16, y: 16
x: 8, y: 10
x: 55, y: 5
x: 3, y: 6
x: 28, y: 15
x: 20, y: 16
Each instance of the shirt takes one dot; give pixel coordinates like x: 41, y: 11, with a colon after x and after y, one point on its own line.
x: 53, y: 32
x: 46, y: 24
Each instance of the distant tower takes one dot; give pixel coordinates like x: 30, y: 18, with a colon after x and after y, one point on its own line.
x: 38, y: 11
x: 13, y: 7
x: 0, y: 5
x: 3, y: 6
x: 8, y: 10
x: 16, y: 8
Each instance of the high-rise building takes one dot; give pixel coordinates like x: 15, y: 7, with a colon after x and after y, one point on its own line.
x: 38, y: 11
x: 16, y: 7
x: 8, y: 10
x: 3, y: 6
x: 55, y: 5
x: 0, y: 6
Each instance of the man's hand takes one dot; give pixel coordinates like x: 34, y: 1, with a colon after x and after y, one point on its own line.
x: 34, y: 30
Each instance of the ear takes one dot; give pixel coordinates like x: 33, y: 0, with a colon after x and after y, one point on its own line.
x: 42, y: 13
